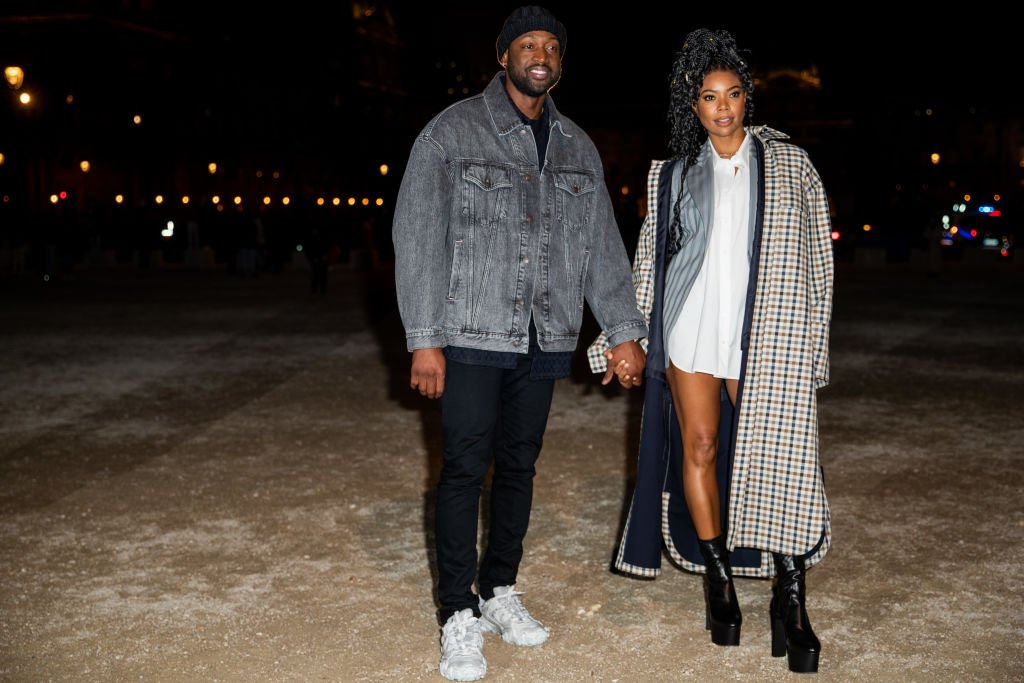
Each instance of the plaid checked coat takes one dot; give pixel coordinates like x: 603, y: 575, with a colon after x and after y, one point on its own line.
x: 770, y: 479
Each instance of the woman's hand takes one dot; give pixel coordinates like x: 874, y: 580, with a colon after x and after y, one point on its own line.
x: 626, y: 362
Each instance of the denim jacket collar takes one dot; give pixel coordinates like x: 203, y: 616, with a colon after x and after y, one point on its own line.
x: 503, y: 114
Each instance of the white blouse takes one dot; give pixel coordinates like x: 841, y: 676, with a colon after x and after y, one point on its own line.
x: 706, y: 335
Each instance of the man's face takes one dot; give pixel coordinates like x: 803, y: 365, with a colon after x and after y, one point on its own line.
x: 533, y: 62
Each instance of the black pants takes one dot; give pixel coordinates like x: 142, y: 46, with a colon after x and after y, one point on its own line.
x: 487, y: 414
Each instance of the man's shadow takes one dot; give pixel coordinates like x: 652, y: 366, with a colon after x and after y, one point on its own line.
x: 386, y: 324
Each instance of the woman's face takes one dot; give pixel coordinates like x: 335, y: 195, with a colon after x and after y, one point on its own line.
x: 720, y: 106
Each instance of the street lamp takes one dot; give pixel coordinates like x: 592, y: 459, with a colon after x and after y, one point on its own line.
x: 15, y: 76
x: 24, y: 98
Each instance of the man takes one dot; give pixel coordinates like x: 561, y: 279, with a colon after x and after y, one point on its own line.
x: 503, y: 227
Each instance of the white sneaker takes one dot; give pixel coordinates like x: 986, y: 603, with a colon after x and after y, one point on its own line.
x: 462, y: 648
x: 504, y: 614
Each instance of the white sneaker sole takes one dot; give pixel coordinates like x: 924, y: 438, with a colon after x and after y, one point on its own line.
x: 458, y: 675
x: 511, y: 638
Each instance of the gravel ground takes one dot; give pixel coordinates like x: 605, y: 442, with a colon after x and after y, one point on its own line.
x: 215, y: 479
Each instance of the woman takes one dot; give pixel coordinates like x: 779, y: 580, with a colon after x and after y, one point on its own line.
x: 734, y: 273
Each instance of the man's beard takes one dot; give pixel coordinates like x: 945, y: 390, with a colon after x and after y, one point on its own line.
x: 524, y: 84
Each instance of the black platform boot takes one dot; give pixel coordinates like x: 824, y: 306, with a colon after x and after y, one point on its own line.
x: 791, y: 630
x: 723, y: 616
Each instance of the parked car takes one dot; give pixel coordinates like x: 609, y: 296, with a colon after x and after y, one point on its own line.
x: 978, y: 223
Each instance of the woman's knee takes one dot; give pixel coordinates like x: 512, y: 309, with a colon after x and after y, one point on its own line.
x: 700, y: 447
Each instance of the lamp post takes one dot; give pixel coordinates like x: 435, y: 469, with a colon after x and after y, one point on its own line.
x: 86, y: 167
x: 14, y: 76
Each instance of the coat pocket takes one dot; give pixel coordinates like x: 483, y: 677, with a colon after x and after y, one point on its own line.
x: 455, y: 290
x: 581, y: 289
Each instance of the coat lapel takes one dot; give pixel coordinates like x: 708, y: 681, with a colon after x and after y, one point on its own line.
x: 700, y: 182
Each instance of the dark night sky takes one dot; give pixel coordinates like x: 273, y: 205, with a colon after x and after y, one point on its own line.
x: 869, y: 60
x: 276, y: 77
x: 868, y: 55
x: 618, y: 59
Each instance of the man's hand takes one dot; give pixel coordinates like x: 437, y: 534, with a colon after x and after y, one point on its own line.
x: 627, y: 362
x: 428, y: 372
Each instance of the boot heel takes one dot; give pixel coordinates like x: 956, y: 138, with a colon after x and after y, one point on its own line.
x: 722, y: 633
x: 792, y: 634
x: 802, y: 661
x: 778, y: 636
x: 725, y: 634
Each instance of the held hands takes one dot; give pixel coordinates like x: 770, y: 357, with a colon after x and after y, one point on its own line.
x: 428, y: 372
x: 626, y: 361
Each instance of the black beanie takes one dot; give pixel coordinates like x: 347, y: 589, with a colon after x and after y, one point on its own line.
x: 526, y: 19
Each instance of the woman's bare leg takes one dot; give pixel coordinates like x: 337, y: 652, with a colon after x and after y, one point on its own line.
x: 697, y: 398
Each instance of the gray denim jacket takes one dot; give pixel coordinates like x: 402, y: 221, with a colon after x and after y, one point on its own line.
x: 481, y: 238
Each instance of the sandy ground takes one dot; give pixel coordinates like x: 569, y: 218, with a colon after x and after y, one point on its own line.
x: 213, y: 479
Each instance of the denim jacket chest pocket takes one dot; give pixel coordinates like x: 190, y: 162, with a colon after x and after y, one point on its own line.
x: 575, y: 197
x: 486, y: 190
